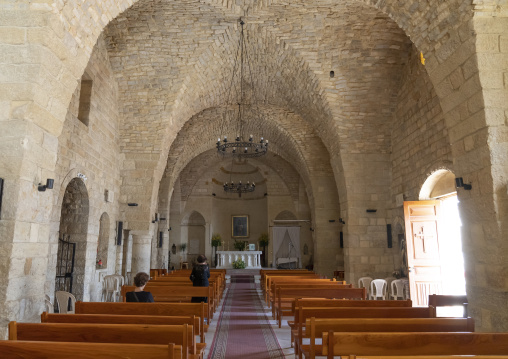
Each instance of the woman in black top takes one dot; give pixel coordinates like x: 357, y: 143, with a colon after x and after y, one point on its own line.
x: 199, y: 277
x: 139, y: 295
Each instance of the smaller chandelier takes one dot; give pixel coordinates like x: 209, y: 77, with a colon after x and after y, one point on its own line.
x: 239, y: 187
x: 242, y: 148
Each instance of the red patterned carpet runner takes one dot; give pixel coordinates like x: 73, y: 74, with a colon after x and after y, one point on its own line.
x: 243, y: 330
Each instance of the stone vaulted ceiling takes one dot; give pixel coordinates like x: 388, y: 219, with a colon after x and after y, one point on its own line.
x: 173, y: 61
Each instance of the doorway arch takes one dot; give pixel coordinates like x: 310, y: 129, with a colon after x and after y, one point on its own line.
x: 103, y: 242
x: 72, y: 244
x: 434, y: 248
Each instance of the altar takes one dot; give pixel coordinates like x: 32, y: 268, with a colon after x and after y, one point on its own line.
x: 225, y: 259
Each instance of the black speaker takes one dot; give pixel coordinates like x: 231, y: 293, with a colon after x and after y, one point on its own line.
x: 1, y: 192
x: 389, y: 235
x: 119, y: 233
x: 160, y: 239
x: 341, y: 240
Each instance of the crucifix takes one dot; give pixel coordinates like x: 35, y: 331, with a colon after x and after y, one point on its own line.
x: 421, y: 235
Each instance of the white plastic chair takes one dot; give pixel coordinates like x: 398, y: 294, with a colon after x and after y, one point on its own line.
x: 364, y: 282
x: 378, y: 288
x: 62, y: 301
x: 111, y: 288
x: 121, y: 282
x: 48, y: 305
x: 397, y: 289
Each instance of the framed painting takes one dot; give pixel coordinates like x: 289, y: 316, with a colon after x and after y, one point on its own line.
x: 240, y: 226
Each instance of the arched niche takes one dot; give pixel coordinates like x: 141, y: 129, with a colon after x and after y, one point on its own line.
x: 72, y: 243
x: 194, y: 234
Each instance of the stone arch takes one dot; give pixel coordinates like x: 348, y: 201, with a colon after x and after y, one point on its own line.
x: 74, y: 228
x: 103, y: 241
x: 438, y: 184
x: 285, y: 216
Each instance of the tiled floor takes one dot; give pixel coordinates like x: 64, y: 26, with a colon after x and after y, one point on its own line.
x: 283, y: 334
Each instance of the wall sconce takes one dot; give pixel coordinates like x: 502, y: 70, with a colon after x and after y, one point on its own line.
x: 132, y: 204
x: 371, y: 210
x: 459, y: 182
x: 173, y: 249
x: 48, y: 185
x: 213, y: 194
x: 311, y: 229
x: 342, y: 221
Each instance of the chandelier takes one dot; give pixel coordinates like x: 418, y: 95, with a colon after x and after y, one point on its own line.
x: 241, y: 147
x: 239, y: 187
x: 232, y: 187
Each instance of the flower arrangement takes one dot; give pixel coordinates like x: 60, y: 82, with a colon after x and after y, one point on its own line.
x: 239, y: 245
x: 263, y: 240
x: 239, y: 264
x: 216, y: 240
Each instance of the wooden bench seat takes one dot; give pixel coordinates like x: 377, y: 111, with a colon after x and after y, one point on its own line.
x: 305, y: 313
x: 315, y: 327
x: 183, y: 281
x: 177, y: 293
x: 16, y: 349
x: 109, y: 333
x: 296, y: 280
x: 426, y: 357
x: 125, y: 319
x: 337, y: 303
x: 423, y: 344
x: 160, y: 309
x: 317, y: 286
x: 289, y: 295
x: 269, y: 279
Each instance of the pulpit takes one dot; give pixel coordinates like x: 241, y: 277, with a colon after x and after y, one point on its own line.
x: 252, y: 259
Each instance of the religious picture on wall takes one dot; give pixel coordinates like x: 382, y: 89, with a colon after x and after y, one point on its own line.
x: 240, y: 226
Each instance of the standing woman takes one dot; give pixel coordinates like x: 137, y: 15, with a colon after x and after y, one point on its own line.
x: 199, y: 277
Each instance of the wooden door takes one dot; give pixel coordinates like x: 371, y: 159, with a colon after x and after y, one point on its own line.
x: 422, y: 240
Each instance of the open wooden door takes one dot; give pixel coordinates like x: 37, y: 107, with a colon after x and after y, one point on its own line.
x: 422, y: 240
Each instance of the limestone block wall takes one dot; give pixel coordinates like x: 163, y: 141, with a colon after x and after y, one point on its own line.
x: 420, y: 142
x: 91, y: 152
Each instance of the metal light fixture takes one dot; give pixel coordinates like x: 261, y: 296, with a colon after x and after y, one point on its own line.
x: 239, y: 187
x: 49, y: 185
x: 459, y: 182
x: 241, y: 147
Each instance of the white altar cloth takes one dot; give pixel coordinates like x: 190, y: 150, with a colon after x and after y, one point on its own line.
x: 225, y: 259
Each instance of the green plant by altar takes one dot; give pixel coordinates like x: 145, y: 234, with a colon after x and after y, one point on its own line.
x: 239, y: 264
x: 239, y: 245
x: 264, y: 239
x: 216, y: 240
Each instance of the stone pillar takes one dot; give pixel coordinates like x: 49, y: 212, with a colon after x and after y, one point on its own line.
x: 141, y: 250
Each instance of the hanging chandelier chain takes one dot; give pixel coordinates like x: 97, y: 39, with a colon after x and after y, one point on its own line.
x: 243, y: 147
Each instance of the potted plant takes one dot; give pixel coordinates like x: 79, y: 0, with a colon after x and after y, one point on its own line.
x: 239, y: 245
x: 263, y: 243
x: 216, y: 242
x: 239, y: 264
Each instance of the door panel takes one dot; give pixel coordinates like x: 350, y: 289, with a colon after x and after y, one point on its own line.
x: 422, y: 240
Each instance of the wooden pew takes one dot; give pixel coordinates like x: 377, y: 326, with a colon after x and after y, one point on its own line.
x: 289, y: 295
x: 108, y: 333
x: 264, y: 272
x: 317, y: 286
x: 176, y: 280
x: 295, y: 280
x: 159, y: 309
x: 423, y: 344
x: 176, y: 293
x: 16, y: 349
x: 305, y: 313
x: 427, y: 357
x: 337, y: 303
x: 126, y: 319
x: 219, y: 276
x: 269, y: 279
x: 449, y: 300
x: 314, y: 328
x: 266, y: 278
